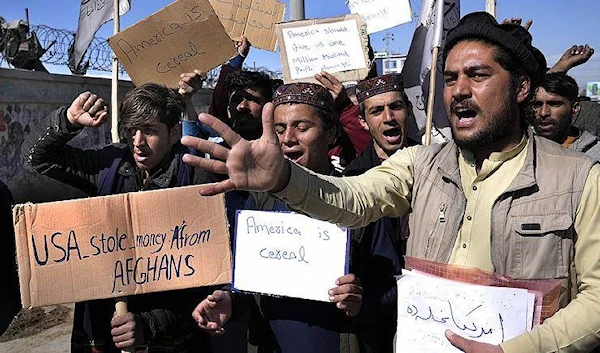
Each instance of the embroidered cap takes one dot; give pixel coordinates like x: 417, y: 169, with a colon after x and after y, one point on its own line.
x: 377, y: 85
x: 306, y: 93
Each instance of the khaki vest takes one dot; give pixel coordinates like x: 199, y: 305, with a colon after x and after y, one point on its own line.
x: 532, y: 230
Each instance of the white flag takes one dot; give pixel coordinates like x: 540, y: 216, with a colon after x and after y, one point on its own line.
x: 92, y: 15
x: 431, y: 31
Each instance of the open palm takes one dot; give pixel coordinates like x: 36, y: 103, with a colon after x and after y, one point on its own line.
x: 257, y: 165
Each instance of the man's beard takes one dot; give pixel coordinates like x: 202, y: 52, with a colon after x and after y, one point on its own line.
x: 246, y: 125
x: 560, y: 133
x: 497, y: 127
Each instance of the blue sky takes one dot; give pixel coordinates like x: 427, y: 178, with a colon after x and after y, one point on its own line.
x: 558, y: 24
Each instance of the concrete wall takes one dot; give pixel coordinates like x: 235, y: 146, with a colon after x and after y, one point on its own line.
x: 26, y: 97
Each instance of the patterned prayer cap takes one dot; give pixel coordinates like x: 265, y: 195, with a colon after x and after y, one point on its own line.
x: 377, y: 85
x: 306, y: 93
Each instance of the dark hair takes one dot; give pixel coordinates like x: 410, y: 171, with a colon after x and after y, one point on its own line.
x: 253, y: 80
x: 511, y: 63
x: 361, y: 105
x: 561, y: 84
x: 144, y: 104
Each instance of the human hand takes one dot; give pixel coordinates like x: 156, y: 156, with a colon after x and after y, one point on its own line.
x: 574, y: 56
x: 87, y: 110
x: 190, y: 83
x: 257, y: 165
x: 213, y: 312
x: 243, y: 46
x: 470, y: 346
x: 517, y: 21
x: 335, y: 87
x: 348, y: 294
x: 126, y: 331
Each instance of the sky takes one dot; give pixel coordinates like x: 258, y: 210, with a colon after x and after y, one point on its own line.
x: 557, y: 24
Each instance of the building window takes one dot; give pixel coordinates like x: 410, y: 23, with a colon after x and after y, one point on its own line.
x: 391, y: 64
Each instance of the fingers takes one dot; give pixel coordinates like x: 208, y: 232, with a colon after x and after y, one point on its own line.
x: 268, y: 123
x: 190, y: 82
x: 528, y: 24
x: 217, y: 188
x: 89, y: 102
x: 123, y: 330
x: 212, y: 165
x: 221, y: 128
x: 213, y: 149
x: 348, y: 279
x: 457, y: 341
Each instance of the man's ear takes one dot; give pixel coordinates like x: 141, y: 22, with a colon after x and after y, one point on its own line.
x: 523, y: 88
x: 363, y: 122
x: 575, y: 110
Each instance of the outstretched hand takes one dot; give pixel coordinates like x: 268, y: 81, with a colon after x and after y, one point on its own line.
x: 87, y: 110
x: 213, y: 312
x: 257, y: 165
x: 336, y: 88
x: 574, y: 56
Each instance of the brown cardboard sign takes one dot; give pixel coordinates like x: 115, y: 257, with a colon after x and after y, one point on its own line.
x: 120, y: 245
x: 255, y: 19
x: 337, y: 45
x: 181, y: 37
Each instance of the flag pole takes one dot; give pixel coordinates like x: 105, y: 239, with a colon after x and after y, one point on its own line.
x: 120, y: 303
x: 114, y: 101
x: 437, y: 43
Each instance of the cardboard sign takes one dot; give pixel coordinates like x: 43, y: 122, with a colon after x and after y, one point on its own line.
x: 380, y: 15
x: 288, y: 254
x: 255, y: 19
x: 183, y: 36
x: 428, y: 305
x: 120, y: 245
x: 336, y: 45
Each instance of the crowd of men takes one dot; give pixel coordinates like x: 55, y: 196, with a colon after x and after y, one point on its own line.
x: 515, y: 192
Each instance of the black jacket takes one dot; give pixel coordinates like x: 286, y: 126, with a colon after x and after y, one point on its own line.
x: 165, y: 316
x: 377, y: 259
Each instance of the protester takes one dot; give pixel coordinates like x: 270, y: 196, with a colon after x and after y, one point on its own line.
x: 305, y: 124
x: 150, y: 160
x: 556, y: 103
x: 384, y: 112
x: 10, y: 303
x: 496, y: 198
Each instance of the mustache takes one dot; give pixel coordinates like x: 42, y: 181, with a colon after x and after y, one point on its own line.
x: 463, y: 104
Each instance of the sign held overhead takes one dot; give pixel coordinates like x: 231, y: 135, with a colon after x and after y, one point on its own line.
x: 254, y: 19
x: 181, y: 37
x: 120, y: 245
x: 337, y: 45
x: 380, y: 15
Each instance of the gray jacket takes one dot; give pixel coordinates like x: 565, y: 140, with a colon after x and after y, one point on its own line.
x: 588, y: 144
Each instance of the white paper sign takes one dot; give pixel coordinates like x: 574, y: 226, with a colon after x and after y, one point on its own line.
x: 428, y: 305
x: 381, y: 14
x: 331, y: 47
x: 288, y: 254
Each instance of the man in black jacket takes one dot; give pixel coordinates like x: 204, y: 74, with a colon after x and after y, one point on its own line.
x: 150, y: 160
x: 383, y: 111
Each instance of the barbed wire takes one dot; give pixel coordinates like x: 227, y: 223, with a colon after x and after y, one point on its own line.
x: 99, y: 53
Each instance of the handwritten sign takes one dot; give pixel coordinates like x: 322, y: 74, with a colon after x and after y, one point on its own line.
x: 120, y: 245
x: 255, y: 19
x: 380, y: 15
x: 181, y: 37
x: 429, y: 305
x: 336, y: 45
x: 288, y: 254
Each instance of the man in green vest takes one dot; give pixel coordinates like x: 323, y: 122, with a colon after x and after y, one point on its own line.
x: 496, y: 198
